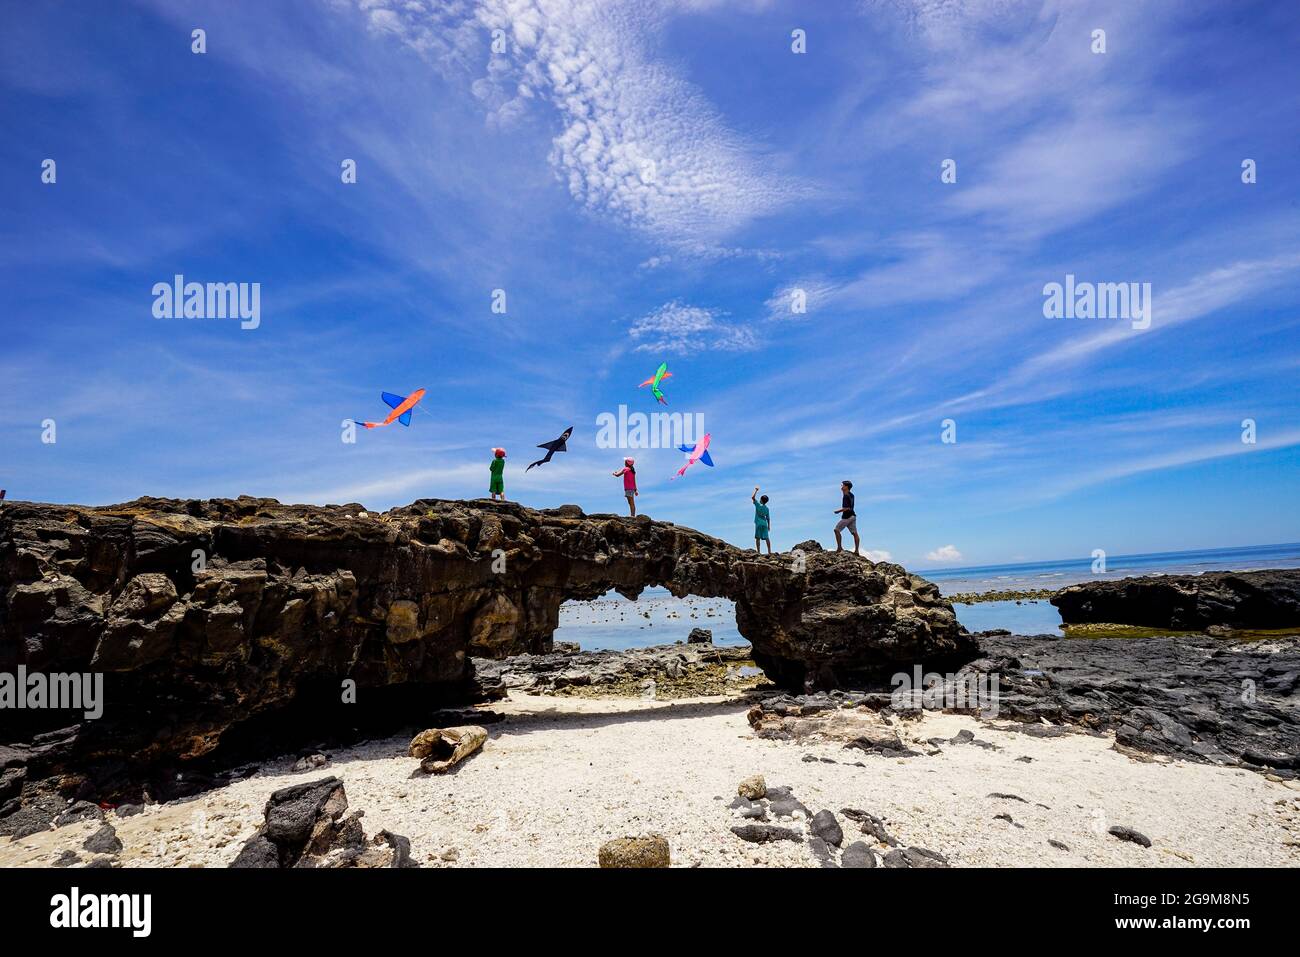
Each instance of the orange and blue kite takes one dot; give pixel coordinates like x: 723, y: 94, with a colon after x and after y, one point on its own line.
x: 402, y: 406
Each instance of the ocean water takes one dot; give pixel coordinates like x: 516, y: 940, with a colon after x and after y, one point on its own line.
x: 1070, y: 571
x: 1041, y: 618
x: 613, y: 622
x: 1027, y: 618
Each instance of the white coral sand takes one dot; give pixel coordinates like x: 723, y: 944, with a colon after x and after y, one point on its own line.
x: 562, y: 775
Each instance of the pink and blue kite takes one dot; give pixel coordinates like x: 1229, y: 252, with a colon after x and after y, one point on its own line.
x: 700, y: 453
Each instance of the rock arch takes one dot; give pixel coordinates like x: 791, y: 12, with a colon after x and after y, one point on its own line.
x: 206, y: 613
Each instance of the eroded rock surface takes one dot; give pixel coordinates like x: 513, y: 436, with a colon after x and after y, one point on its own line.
x: 1200, y: 699
x: 304, y: 826
x: 1262, y: 600
x: 204, y: 614
x: 1194, y: 698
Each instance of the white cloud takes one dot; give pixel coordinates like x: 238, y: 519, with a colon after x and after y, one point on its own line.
x: 817, y: 293
x: 876, y: 555
x: 951, y: 23
x: 638, y: 143
x: 945, y: 553
x: 678, y: 328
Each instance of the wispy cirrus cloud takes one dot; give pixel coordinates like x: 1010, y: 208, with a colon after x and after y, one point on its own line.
x: 638, y: 142
x: 799, y: 299
x: 676, y: 327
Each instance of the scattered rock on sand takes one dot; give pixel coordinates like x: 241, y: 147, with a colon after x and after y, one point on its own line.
x: 763, y: 833
x: 103, y: 841
x: 887, y: 743
x: 80, y: 811
x: 1128, y: 834
x: 442, y: 748
x: 754, y: 788
x: 783, y: 803
x: 754, y: 810
x: 827, y: 828
x: 304, y: 826
x: 870, y: 824
x: 1057, y: 844
x: 310, y: 762
x: 857, y: 854
x: 649, y: 851
x: 822, y: 852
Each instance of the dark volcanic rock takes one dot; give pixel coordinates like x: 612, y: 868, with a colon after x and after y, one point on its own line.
x: 207, y: 615
x: 700, y: 636
x: 822, y: 852
x: 547, y: 673
x: 103, y: 841
x: 827, y: 828
x: 80, y: 811
x: 857, y: 854
x: 763, y: 833
x: 783, y: 803
x: 1128, y: 834
x: 1210, y: 700
x: 304, y: 826
x: 1249, y: 600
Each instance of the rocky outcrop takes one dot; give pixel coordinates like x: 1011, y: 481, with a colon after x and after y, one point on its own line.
x: 1193, y: 698
x: 1198, y: 699
x: 304, y: 826
x: 1262, y: 600
x: 691, y: 669
x: 205, y: 615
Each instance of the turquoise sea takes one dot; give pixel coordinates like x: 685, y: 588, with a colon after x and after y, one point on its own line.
x: 1040, y: 617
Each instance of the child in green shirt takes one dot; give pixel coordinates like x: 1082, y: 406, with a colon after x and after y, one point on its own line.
x: 497, y: 486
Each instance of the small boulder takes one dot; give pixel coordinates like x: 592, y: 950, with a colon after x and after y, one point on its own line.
x: 103, y: 841
x: 825, y: 826
x: 765, y: 833
x: 310, y: 762
x: 700, y: 636
x: 754, y: 788
x: 822, y: 852
x: 649, y: 851
x: 1128, y: 834
x: 857, y: 854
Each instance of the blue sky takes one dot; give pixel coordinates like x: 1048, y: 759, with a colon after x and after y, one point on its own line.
x: 648, y: 181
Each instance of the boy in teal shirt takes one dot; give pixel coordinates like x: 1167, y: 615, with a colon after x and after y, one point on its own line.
x: 762, y: 521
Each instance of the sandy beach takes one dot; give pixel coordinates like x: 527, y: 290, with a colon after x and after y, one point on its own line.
x: 559, y: 776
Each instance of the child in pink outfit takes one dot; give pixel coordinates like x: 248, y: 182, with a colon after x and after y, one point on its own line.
x: 628, y: 471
